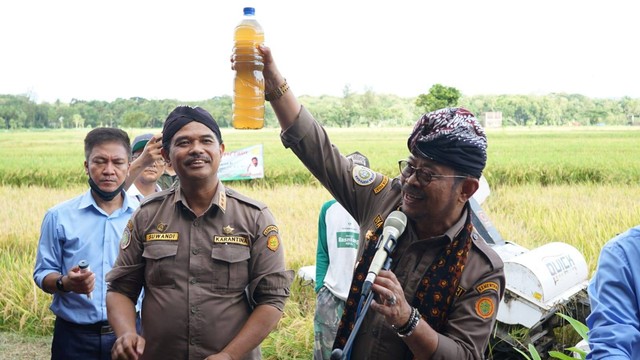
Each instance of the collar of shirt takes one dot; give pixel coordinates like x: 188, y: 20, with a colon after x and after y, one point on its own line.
x: 127, y: 202
x: 219, y: 199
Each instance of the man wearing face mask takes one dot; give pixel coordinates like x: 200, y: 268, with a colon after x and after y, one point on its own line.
x: 87, y: 227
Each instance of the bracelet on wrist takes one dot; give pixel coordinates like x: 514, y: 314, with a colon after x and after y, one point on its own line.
x: 408, y: 328
x: 277, y: 93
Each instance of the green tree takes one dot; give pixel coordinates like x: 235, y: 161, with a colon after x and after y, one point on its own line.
x: 439, y: 97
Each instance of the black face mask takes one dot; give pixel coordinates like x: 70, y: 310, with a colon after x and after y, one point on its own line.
x: 104, y: 195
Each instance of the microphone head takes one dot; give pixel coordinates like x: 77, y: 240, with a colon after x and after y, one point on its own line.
x: 397, y: 220
x: 336, y: 354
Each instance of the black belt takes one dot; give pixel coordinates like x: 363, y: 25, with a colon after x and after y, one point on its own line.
x: 101, y: 327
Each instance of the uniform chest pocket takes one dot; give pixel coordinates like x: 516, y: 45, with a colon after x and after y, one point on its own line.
x: 160, y: 261
x: 230, y: 267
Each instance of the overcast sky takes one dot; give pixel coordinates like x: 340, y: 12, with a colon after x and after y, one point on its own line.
x: 104, y: 50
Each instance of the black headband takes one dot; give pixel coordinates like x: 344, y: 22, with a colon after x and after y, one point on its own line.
x: 183, y: 115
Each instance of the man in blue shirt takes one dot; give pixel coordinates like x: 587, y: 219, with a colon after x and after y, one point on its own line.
x: 614, y: 322
x: 87, y: 227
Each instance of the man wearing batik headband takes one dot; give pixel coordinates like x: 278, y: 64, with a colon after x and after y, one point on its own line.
x: 210, y: 259
x: 440, y: 298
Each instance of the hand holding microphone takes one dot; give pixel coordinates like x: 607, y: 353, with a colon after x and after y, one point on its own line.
x: 393, y: 227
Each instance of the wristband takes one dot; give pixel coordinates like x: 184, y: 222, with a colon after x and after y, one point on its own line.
x: 408, y: 328
x: 60, y: 285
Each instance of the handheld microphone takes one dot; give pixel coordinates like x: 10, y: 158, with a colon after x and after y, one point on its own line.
x: 393, y: 227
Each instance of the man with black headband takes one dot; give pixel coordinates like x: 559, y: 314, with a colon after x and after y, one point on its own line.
x: 87, y: 227
x: 439, y: 301
x: 210, y: 259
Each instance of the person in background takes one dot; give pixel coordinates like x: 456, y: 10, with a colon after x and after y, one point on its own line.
x: 336, y: 254
x: 439, y: 299
x: 87, y: 227
x: 254, y: 169
x: 614, y: 321
x: 210, y: 260
x: 168, y: 177
x: 146, y: 183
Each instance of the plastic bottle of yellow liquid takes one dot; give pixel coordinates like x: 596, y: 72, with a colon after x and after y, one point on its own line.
x: 248, y: 90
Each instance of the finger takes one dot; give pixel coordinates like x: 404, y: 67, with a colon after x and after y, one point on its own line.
x: 140, y: 345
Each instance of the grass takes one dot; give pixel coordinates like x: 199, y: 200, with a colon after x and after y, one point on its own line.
x: 576, y: 186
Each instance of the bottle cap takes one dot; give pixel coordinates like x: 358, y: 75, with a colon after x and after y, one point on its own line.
x: 83, y: 264
x: 249, y: 11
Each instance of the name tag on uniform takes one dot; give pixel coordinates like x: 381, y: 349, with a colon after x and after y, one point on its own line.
x: 240, y: 240
x: 162, y: 236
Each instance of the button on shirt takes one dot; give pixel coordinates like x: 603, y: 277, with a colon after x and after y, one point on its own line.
x: 78, y: 229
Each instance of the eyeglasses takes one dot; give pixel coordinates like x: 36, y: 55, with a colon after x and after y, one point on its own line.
x: 423, y: 176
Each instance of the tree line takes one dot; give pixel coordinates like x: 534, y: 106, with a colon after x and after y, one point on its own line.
x: 369, y: 109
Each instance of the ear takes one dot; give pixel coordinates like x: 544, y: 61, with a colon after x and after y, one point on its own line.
x: 469, y: 187
x: 221, y: 149
x: 86, y: 167
x: 165, y: 155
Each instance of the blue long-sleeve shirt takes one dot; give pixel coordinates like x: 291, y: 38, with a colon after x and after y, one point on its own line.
x: 75, y: 230
x: 614, y: 322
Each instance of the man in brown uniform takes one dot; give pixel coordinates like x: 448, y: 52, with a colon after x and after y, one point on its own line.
x: 210, y: 259
x: 439, y: 301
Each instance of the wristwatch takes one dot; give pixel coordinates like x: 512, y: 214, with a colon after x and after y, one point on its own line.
x: 60, y: 285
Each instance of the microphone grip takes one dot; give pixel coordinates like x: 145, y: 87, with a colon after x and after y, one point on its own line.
x: 84, y: 267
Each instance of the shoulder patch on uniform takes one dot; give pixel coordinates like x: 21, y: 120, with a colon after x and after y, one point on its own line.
x: 382, y: 185
x: 363, y: 176
x: 488, y: 253
x: 157, y: 196
x: 126, y: 237
x: 270, y: 228
x: 487, y: 286
x: 485, y: 307
x: 234, y: 194
x: 238, y: 240
x: 273, y: 243
x: 130, y: 225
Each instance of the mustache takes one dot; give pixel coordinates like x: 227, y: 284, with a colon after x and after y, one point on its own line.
x: 193, y: 159
x: 411, y: 190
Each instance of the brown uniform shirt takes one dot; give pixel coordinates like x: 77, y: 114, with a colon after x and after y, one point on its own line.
x: 370, y: 197
x: 201, y: 275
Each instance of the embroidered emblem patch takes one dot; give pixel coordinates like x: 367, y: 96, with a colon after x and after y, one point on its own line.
x: 239, y: 240
x: 269, y: 229
x: 161, y: 227
x: 363, y: 176
x: 273, y: 243
x: 227, y: 230
x: 382, y: 185
x: 130, y: 225
x: 378, y: 221
x: 489, y: 285
x: 162, y: 237
x: 126, y: 238
x: 485, y: 307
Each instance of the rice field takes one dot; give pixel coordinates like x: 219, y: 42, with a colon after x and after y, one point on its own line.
x: 576, y: 185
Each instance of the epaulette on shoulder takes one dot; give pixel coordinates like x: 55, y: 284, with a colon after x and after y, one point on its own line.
x: 245, y: 199
x: 158, y: 196
x: 483, y: 248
